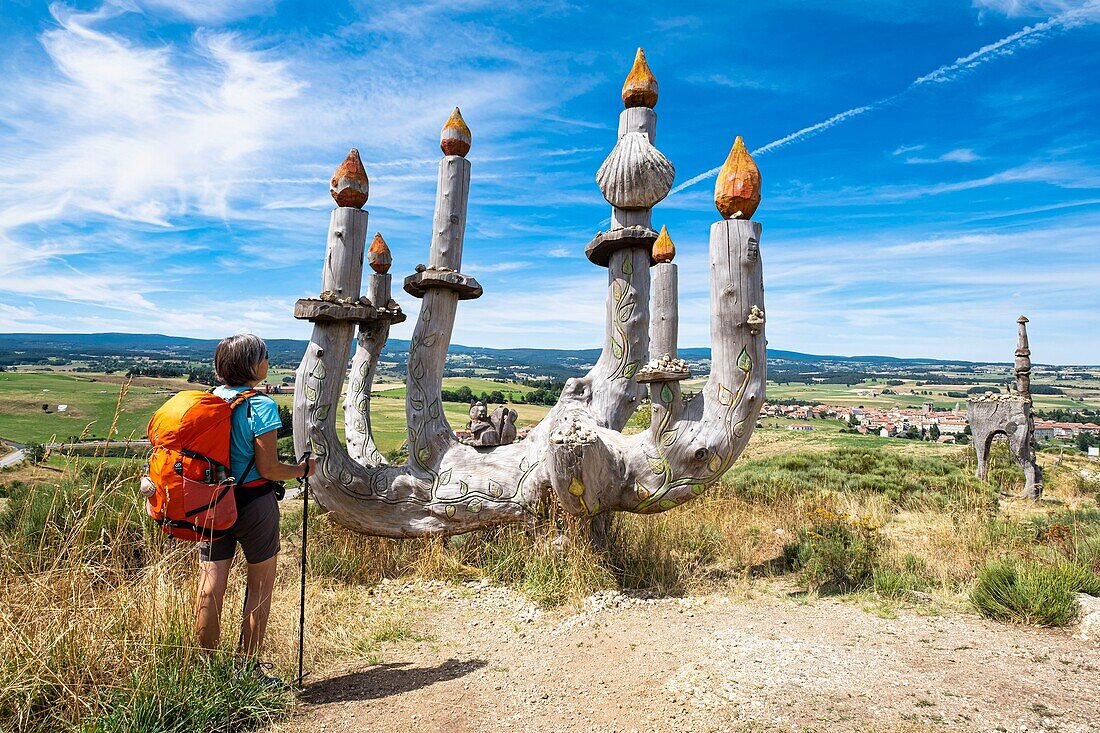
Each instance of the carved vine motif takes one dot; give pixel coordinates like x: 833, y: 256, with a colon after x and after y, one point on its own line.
x: 670, y: 437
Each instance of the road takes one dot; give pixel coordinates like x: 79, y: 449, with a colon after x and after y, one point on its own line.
x: 14, y: 457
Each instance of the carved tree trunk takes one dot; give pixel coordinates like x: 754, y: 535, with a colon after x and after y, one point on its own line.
x: 576, y: 454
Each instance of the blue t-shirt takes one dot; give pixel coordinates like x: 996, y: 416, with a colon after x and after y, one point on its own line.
x: 263, y: 417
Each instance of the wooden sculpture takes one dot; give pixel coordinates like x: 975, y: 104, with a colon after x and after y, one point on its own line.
x: 577, y: 454
x: 1010, y: 415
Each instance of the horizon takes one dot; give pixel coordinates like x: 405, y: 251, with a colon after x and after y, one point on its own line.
x: 934, y: 177
x: 682, y: 349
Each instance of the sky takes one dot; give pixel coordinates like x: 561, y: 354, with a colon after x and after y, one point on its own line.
x: 931, y: 170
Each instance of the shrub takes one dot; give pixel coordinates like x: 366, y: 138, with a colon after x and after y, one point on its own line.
x: 893, y: 582
x: 1030, y: 593
x: 836, y: 552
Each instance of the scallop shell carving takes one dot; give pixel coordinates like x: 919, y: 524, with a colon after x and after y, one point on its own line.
x: 635, y: 175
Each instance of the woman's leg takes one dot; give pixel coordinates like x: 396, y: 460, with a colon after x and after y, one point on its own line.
x: 261, y: 581
x: 213, y: 577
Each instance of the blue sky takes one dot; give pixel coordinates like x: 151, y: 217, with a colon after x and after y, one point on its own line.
x: 931, y: 169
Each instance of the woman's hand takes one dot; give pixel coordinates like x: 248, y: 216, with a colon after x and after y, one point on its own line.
x: 307, y: 467
x: 269, y: 465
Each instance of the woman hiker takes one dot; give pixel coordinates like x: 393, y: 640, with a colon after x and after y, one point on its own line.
x: 240, y: 363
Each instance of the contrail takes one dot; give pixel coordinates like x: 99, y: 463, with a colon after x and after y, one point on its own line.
x: 946, y: 73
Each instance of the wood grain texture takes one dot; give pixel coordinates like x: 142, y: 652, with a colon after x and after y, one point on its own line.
x: 347, y: 236
x: 364, y: 364
x: 449, y: 222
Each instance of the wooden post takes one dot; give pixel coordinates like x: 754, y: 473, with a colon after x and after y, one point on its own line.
x: 364, y: 364
x: 429, y: 433
x: 320, y: 376
x: 347, y: 236
x: 664, y: 397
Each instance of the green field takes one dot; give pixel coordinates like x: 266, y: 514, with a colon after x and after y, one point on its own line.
x: 92, y: 399
x: 1077, y: 396
x: 510, y: 390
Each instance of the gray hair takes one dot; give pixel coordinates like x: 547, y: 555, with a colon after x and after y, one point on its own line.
x: 237, y: 359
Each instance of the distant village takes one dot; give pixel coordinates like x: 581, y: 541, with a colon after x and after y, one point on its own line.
x: 925, y: 422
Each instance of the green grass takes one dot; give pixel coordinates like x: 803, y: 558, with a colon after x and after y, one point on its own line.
x: 91, y: 406
x: 907, y: 481
x: 510, y: 390
x: 184, y: 693
x: 1030, y: 593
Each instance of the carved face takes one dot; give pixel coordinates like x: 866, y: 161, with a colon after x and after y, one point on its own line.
x: 478, y: 412
x: 753, y: 251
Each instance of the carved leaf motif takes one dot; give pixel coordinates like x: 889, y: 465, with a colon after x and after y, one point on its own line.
x: 739, y: 429
x: 322, y: 412
x: 616, y: 290
x: 631, y: 368
x: 311, y: 393
x: 363, y: 403
x: 474, y: 506
x: 417, y: 404
x: 425, y: 314
x: 669, y: 437
x: 463, y: 488
x: 523, y: 465
x: 424, y: 454
x: 724, y: 395
x: 657, y: 465
x: 319, y: 371
x: 626, y: 312
x: 628, y: 267
x: 433, y: 410
x: 666, y: 394
x: 364, y: 367
x: 431, y: 339
x: 445, y: 477
x: 715, y: 463
x: 356, y: 385
x: 449, y: 511
x: 576, y: 488
x: 345, y: 477
x: 616, y: 348
x: 667, y: 503
x: 744, y: 361
x: 418, y: 370
x: 698, y: 489
x: 641, y: 491
x: 495, y: 489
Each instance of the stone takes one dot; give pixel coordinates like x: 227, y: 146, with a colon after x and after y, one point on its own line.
x: 378, y: 256
x: 350, y: 186
x: 455, y: 139
x: 640, y: 87
x: 737, y: 188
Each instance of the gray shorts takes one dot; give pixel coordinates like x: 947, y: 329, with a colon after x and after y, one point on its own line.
x: 256, y: 529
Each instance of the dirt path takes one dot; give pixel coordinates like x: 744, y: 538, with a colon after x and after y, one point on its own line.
x: 486, y: 660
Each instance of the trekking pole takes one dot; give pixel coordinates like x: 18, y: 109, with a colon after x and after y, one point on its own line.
x: 302, y: 601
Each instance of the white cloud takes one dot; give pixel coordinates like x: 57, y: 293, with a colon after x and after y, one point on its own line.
x: 959, y: 155
x: 1032, y: 8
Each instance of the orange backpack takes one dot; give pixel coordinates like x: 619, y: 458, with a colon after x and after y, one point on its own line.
x: 192, y: 495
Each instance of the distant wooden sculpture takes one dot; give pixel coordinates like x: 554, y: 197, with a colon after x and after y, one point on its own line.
x: 1010, y: 415
x: 576, y: 454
